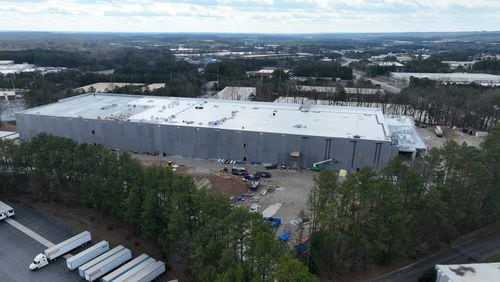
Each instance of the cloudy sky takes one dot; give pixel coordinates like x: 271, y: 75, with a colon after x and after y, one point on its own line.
x: 268, y: 16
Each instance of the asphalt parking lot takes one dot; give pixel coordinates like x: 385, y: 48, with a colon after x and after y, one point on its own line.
x: 17, y: 249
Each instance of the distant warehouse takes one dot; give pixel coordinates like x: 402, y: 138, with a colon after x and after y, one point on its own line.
x: 403, y: 78
x: 297, y: 135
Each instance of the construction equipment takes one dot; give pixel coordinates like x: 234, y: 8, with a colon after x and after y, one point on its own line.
x: 317, y: 167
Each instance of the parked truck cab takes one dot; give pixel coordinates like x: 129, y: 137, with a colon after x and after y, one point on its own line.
x: 39, y: 261
x: 52, y: 253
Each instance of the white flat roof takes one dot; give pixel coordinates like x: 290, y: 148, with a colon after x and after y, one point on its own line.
x: 474, y: 272
x: 8, y: 135
x: 236, y: 93
x: 333, y: 89
x: 318, y: 120
x: 459, y: 76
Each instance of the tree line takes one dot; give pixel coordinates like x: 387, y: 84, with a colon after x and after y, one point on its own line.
x: 406, y: 210
x: 491, y: 66
x: 428, y: 102
x: 217, y: 241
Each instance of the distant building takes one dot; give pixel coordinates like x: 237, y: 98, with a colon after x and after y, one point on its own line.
x: 473, y: 272
x: 8, y: 135
x: 111, y: 86
x: 7, y: 95
x: 267, y: 72
x: 236, y: 93
x: 154, y: 86
x: 296, y: 135
x: 333, y: 89
x: 404, y: 58
x: 6, y: 62
x: 456, y: 64
x: 8, y: 67
x: 389, y: 64
x: 403, y: 78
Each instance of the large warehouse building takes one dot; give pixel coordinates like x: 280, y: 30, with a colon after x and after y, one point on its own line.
x: 403, y: 78
x: 297, y: 135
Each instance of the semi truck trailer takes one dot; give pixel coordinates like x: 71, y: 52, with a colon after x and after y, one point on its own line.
x: 85, y: 256
x: 148, y: 273
x: 60, y: 249
x: 5, y: 211
x: 134, y: 270
x: 88, y: 265
x: 124, y: 268
x: 105, y: 266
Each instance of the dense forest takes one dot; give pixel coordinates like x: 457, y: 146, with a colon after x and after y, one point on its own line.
x: 217, y: 241
x: 491, y: 66
x: 427, y: 102
x: 406, y: 210
x: 323, y: 69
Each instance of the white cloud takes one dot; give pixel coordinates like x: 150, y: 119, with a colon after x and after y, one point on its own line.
x: 263, y: 16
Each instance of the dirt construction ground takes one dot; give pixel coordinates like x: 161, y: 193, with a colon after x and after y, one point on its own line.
x: 289, y: 188
x: 432, y: 141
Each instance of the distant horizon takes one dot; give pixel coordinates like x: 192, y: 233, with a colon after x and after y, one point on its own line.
x: 250, y: 16
x: 243, y: 33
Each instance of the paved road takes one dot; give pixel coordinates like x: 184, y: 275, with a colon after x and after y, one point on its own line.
x: 17, y: 251
x: 46, y: 227
x: 471, y: 252
x: 386, y: 86
x: 17, y: 248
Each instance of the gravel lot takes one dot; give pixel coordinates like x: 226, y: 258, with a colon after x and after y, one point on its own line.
x: 293, y: 187
x: 432, y: 141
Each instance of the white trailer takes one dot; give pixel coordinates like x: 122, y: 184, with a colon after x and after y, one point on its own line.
x: 149, y: 273
x: 60, y: 249
x: 83, y: 268
x: 5, y: 211
x: 83, y: 257
x: 124, y: 268
x: 105, y: 266
x: 134, y: 270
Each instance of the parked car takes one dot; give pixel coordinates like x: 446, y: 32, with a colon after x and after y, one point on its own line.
x: 263, y: 174
x: 254, y: 185
x: 252, y: 177
x: 270, y: 166
x: 239, y: 171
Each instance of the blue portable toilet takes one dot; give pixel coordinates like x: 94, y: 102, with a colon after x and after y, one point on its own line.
x: 283, y: 236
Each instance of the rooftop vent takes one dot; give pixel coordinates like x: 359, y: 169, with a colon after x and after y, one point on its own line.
x: 305, y: 107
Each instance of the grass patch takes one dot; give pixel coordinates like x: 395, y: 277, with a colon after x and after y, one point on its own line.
x: 495, y: 258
